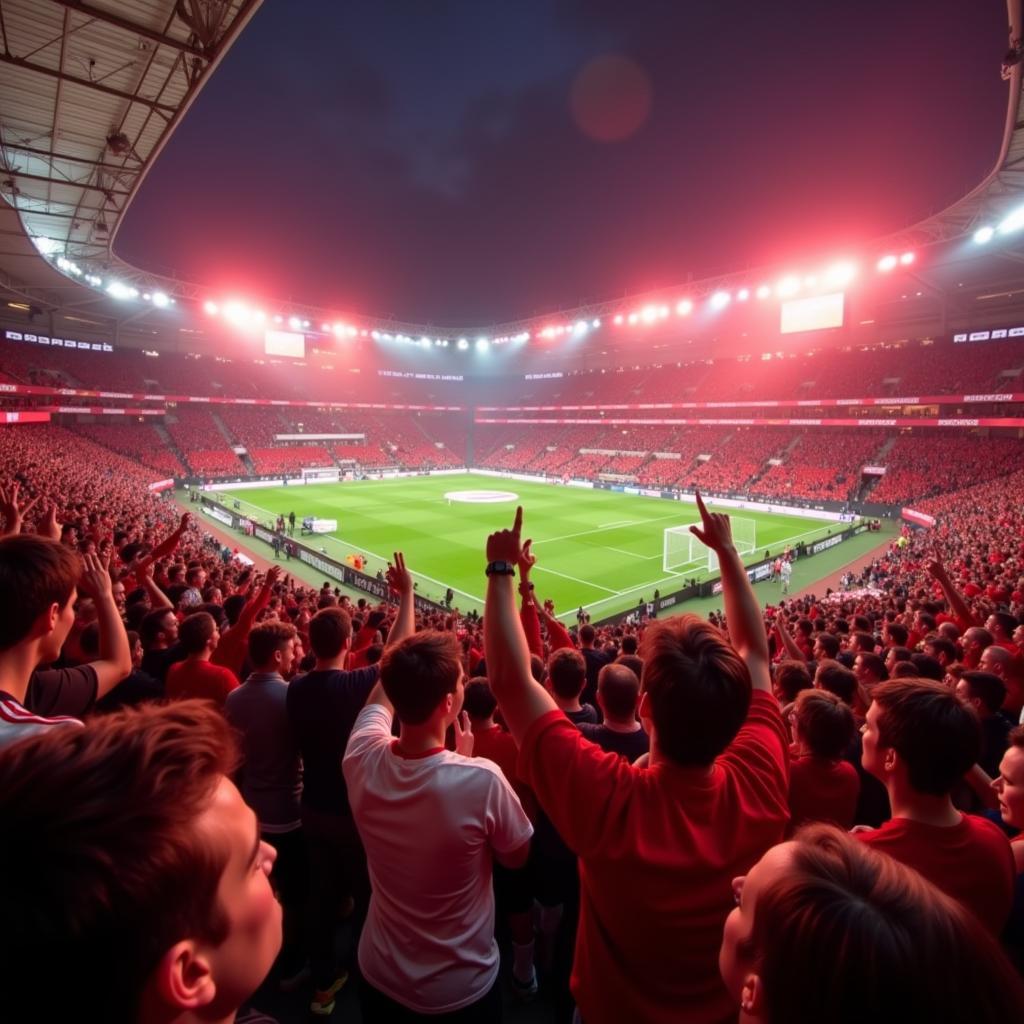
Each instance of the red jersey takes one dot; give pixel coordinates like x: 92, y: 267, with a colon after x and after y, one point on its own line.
x: 200, y: 679
x: 972, y: 861
x: 822, y: 790
x: 498, y: 746
x: 658, y: 848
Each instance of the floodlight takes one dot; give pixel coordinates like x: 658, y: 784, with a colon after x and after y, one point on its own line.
x: 1014, y: 221
x: 595, y: 323
x: 463, y: 344
x: 720, y: 300
x: 789, y: 285
x: 887, y: 263
x: 160, y: 300
x: 211, y: 307
x: 649, y: 314
x: 764, y: 291
x: 908, y: 257
x: 743, y: 294
x: 619, y: 318
x: 841, y: 273
x: 984, y: 234
x: 684, y: 307
x: 294, y: 323
x: 118, y: 290
x: 482, y: 344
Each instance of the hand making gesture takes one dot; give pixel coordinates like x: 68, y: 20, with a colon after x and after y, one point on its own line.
x: 13, y: 513
x: 463, y: 735
x: 507, y: 546
x: 399, y: 578
x: 715, y: 530
x: 95, y: 581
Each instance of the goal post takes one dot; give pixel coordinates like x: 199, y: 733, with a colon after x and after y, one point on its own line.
x: 683, y: 552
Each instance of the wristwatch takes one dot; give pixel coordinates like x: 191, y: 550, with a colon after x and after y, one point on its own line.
x: 500, y: 569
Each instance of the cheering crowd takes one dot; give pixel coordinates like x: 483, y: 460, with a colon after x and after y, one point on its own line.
x: 806, y: 812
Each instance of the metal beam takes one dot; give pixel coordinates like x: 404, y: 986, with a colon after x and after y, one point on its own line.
x: 162, y: 108
x: 130, y: 26
x: 65, y: 181
x: 52, y: 156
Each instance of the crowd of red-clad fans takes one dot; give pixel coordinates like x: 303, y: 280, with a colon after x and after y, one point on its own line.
x: 211, y: 776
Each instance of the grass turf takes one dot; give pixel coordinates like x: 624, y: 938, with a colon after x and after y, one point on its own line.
x: 600, y: 549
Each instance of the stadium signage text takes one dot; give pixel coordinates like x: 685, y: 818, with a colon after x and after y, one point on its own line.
x: 45, y: 339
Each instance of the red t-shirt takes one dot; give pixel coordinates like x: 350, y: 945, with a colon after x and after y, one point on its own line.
x: 972, y: 861
x: 498, y: 746
x: 658, y: 848
x: 822, y: 790
x: 200, y: 679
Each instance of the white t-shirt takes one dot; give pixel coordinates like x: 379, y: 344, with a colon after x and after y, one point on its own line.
x: 430, y: 826
x: 787, y: 570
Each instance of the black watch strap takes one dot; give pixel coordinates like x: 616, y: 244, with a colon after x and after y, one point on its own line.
x: 501, y: 569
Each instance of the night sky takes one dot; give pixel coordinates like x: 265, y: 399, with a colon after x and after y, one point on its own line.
x: 460, y: 163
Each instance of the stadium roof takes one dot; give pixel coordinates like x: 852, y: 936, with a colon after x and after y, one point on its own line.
x: 89, y: 95
x: 91, y: 92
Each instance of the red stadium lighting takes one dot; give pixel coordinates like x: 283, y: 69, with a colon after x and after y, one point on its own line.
x: 720, y: 300
x: 887, y: 263
x: 633, y: 317
x: 649, y: 314
x: 211, y: 307
x: 684, y: 307
x: 618, y: 318
x: 789, y: 285
x: 840, y: 274
x: 764, y: 291
x: 743, y: 294
x: 906, y: 259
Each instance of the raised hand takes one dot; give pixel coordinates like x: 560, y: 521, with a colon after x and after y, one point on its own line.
x: 48, y: 525
x: 95, y: 581
x: 399, y: 578
x: 463, y: 735
x: 715, y: 530
x: 934, y: 565
x: 527, y: 560
x: 506, y: 545
x: 13, y: 513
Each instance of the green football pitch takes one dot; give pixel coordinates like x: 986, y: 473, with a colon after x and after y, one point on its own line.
x: 600, y: 549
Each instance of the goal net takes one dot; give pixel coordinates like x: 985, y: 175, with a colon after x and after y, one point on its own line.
x: 315, y: 474
x: 683, y: 552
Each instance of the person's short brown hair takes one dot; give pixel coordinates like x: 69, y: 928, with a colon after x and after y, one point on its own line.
x: 329, y: 631
x: 567, y: 672
x: 790, y: 677
x: 418, y: 672
x: 196, y: 631
x: 268, y: 637
x: 937, y: 735
x: 837, y: 679
x: 35, y: 573
x: 848, y: 927
x: 619, y: 688
x: 698, y: 688
x: 986, y: 687
x: 826, y: 723
x: 106, y: 869
x: 479, y: 700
